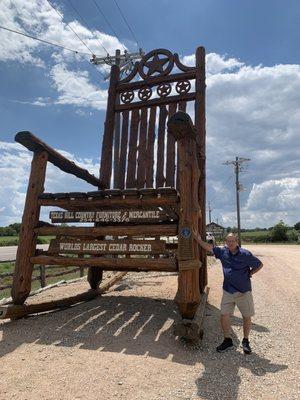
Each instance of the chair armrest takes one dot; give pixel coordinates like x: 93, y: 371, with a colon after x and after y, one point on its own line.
x: 34, y: 144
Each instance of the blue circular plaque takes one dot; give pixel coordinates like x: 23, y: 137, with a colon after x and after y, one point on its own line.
x: 186, y: 232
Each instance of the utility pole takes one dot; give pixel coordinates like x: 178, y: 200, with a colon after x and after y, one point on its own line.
x: 209, y: 212
x: 125, y: 60
x: 239, y: 188
x: 125, y: 63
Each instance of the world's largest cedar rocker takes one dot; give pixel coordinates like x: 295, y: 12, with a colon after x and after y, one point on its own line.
x: 151, y: 187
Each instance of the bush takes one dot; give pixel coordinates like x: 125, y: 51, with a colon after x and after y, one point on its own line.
x: 293, y: 235
x: 297, y: 226
x: 279, y: 233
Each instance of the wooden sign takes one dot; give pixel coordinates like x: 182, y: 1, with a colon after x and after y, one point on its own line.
x: 107, y: 216
x: 65, y: 246
x: 185, y: 243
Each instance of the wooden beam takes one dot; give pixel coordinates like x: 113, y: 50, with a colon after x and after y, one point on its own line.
x: 124, y: 230
x: 153, y: 81
x: 180, y: 126
x: 109, y: 216
x: 19, y: 311
x: 156, y: 102
x: 32, y: 143
x: 108, y: 135
x: 73, y: 246
x: 95, y: 203
x: 150, y: 148
x: 111, y: 264
x: 201, y: 153
x: 160, y: 155
x: 27, y: 237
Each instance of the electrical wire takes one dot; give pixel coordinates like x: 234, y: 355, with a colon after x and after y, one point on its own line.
x: 107, y: 21
x: 43, y: 41
x: 62, y: 18
x: 54, y: 102
x: 86, y: 23
x: 126, y: 22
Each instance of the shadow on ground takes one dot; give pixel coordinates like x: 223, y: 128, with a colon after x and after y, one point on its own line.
x: 140, y: 326
x: 220, y: 378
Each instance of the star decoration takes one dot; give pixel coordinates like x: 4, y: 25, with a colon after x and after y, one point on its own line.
x: 156, y: 65
x: 127, y: 97
x: 183, y: 86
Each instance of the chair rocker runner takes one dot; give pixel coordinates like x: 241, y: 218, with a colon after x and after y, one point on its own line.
x: 151, y: 185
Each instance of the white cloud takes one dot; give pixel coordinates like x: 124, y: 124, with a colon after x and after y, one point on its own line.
x: 215, y: 63
x: 74, y: 88
x: 37, y: 18
x: 275, y: 195
x: 15, y: 163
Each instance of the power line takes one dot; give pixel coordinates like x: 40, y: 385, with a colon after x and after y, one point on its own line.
x: 86, y: 23
x: 62, y: 18
x: 53, y: 101
x: 43, y: 41
x: 107, y: 21
x: 126, y: 22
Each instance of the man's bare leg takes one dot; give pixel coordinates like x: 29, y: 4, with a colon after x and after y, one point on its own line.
x: 226, y: 327
x: 225, y: 324
x: 247, y: 324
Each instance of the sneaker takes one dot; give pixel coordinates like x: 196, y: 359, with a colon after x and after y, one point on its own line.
x: 246, y: 347
x: 227, y: 344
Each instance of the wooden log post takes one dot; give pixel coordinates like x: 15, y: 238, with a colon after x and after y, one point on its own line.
x: 200, y: 137
x: 28, y: 238
x: 95, y: 275
x: 42, y: 269
x: 188, y: 296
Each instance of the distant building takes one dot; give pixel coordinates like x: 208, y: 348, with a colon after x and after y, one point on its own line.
x: 217, y: 230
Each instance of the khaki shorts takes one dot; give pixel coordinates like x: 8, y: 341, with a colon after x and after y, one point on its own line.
x: 244, y: 302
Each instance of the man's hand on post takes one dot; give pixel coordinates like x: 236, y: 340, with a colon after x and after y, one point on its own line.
x: 204, y: 245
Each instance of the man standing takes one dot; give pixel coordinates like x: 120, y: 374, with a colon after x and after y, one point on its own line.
x: 239, y: 265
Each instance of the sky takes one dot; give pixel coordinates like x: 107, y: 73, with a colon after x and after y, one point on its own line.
x: 253, y: 93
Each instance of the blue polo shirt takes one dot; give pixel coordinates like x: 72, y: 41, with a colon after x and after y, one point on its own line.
x: 236, y: 268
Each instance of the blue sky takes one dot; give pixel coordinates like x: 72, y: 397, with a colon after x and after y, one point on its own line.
x: 253, y: 94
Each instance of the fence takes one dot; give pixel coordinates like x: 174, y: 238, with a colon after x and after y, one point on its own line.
x: 42, y: 276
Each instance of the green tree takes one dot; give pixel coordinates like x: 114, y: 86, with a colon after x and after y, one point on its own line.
x: 279, y: 232
x: 16, y: 227
x: 297, y: 226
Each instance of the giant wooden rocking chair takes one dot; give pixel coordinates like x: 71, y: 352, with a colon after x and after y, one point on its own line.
x: 151, y: 185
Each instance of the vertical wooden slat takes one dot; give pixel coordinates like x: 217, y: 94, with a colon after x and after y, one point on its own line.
x: 27, y: 238
x: 42, y: 275
x: 131, y: 167
x: 108, y: 136
x: 170, y: 169
x: 160, y: 179
x: 141, y: 167
x: 150, y: 148
x: 200, y: 131
x: 181, y: 107
x: 123, y: 153
x: 117, y: 131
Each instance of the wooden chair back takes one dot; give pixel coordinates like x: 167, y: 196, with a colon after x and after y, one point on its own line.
x: 136, y: 150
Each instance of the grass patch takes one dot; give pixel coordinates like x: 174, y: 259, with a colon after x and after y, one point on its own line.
x: 14, y: 240
x: 9, y: 267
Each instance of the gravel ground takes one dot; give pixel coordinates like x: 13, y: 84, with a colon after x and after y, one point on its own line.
x: 121, y: 346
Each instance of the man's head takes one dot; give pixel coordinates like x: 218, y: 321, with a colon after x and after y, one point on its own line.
x: 231, y: 242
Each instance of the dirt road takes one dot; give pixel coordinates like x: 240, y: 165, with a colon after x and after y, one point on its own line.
x: 121, y: 346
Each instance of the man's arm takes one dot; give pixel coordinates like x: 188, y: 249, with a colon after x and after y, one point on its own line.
x: 204, y: 245
x: 254, y: 270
